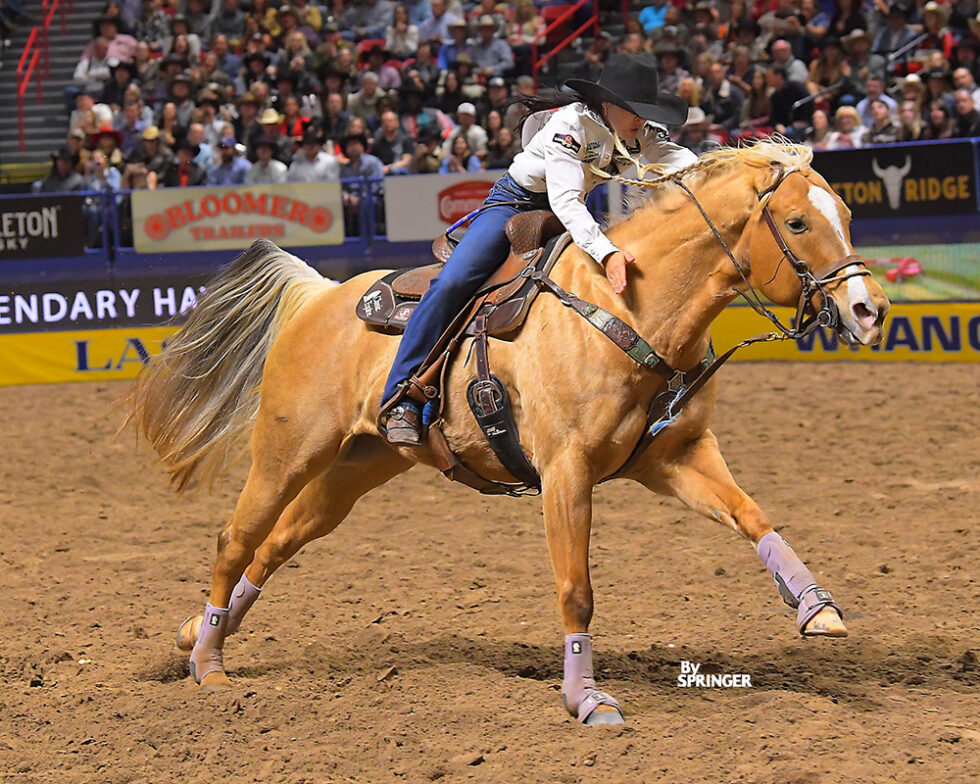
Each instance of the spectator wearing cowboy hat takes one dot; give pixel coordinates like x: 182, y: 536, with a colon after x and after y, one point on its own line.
x: 185, y: 171
x: 180, y: 89
x: 119, y: 45
x: 311, y: 163
x: 427, y: 157
x: 245, y: 122
x: 896, y: 33
x: 230, y: 168
x: 670, y: 73
x: 75, y: 141
x: 266, y: 170
x: 157, y: 155
x: 360, y: 164
x: 62, y: 178
x: 389, y: 78
x: 271, y: 123
x: 491, y: 55
x: 108, y: 139
x: 694, y: 132
x: 122, y: 75
x: 458, y: 43
x: 861, y: 63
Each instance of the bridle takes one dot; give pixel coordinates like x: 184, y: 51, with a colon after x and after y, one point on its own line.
x: 808, y: 317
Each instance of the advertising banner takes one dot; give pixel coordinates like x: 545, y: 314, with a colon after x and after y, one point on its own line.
x: 171, y: 220
x: 41, y: 226
x: 921, y: 332
x: 423, y: 206
x: 902, y: 180
x: 94, y: 305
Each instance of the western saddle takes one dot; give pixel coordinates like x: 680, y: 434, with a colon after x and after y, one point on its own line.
x: 498, y: 309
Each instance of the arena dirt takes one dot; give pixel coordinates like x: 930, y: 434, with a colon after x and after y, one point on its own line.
x: 421, y: 641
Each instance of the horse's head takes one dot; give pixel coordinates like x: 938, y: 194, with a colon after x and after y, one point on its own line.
x: 805, y: 251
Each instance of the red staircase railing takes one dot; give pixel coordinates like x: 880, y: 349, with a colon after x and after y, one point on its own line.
x: 593, y: 22
x: 27, y: 66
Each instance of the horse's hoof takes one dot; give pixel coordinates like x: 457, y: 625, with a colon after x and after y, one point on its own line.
x: 188, y: 632
x: 604, y: 714
x: 215, y: 681
x: 826, y: 623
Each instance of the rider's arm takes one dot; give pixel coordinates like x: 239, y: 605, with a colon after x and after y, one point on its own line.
x: 565, y: 180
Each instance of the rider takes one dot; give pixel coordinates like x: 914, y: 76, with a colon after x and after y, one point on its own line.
x: 553, y: 170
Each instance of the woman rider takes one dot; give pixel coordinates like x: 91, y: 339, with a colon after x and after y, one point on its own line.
x: 552, y: 171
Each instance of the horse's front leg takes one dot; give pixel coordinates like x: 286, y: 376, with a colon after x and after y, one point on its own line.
x: 567, y: 496
x: 699, y: 477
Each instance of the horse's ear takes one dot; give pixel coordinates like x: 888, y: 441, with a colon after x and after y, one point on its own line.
x: 767, y: 179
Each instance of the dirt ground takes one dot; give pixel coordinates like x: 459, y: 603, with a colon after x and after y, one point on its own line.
x: 870, y: 471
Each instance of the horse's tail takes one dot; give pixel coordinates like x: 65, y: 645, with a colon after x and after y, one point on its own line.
x: 197, y: 400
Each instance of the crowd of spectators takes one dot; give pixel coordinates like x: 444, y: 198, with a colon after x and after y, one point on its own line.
x: 171, y: 93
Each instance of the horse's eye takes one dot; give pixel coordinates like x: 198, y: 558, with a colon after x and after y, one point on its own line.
x: 796, y: 225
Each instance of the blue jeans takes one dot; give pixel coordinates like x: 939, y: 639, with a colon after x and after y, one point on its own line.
x: 483, y: 248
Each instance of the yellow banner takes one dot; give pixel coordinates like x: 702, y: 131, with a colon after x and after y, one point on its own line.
x: 923, y: 332
x: 169, y: 220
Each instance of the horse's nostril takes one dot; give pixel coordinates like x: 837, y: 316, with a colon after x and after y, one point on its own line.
x: 862, y: 312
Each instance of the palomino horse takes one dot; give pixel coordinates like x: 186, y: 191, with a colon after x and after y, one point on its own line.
x: 269, y: 322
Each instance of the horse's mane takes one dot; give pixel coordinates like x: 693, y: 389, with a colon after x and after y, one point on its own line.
x: 769, y: 153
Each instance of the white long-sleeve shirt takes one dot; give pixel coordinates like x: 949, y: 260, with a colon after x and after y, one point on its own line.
x: 559, y: 149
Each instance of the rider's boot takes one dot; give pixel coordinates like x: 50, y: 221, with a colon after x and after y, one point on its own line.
x: 404, y: 424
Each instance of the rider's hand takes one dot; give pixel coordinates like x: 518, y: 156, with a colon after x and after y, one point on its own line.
x: 615, y: 264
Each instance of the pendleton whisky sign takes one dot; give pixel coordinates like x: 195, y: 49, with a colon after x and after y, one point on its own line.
x: 903, y: 180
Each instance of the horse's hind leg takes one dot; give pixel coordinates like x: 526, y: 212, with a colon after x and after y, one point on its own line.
x: 319, y: 508
x: 699, y: 477
x: 283, y: 462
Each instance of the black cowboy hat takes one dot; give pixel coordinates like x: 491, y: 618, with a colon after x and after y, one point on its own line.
x: 266, y: 141
x: 630, y: 82
x: 187, y: 144
x: 348, y: 137
x: 65, y: 152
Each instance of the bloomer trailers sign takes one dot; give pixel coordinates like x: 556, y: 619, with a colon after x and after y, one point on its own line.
x: 423, y: 206
x: 41, y: 227
x: 900, y: 180
x: 172, y: 220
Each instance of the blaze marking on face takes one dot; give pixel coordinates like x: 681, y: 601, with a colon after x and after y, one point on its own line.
x: 857, y: 291
x: 827, y: 207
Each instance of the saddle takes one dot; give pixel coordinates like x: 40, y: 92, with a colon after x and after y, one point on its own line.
x: 498, y: 309
x: 505, y: 298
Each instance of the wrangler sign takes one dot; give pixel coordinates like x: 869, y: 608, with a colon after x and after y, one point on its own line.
x: 903, y: 179
x: 190, y: 219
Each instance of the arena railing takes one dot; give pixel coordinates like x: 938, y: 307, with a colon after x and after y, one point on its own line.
x: 593, y: 21
x: 27, y: 66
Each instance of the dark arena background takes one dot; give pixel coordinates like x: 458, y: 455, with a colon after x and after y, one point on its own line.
x: 145, y: 145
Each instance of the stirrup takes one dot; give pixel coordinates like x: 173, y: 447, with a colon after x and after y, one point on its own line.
x: 403, y: 426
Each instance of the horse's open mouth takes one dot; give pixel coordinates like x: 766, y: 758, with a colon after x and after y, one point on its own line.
x: 848, y: 338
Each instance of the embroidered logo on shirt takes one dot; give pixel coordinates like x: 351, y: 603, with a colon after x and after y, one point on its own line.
x: 567, y: 141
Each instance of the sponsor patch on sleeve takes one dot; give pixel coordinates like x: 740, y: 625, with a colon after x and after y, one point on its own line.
x: 567, y: 141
